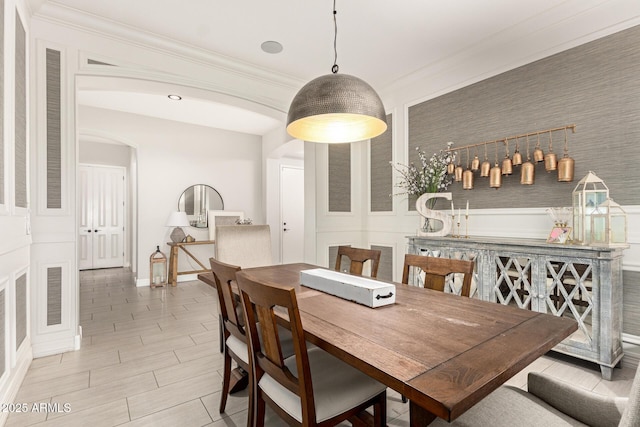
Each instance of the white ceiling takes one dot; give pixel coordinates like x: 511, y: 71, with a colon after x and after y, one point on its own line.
x: 378, y: 40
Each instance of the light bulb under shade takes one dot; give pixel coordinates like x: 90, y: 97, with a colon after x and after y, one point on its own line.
x: 336, y: 108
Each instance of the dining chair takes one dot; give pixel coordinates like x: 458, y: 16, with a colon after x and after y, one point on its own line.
x: 311, y: 388
x: 551, y: 402
x: 244, y: 245
x: 357, y: 258
x: 235, y: 342
x: 437, y: 269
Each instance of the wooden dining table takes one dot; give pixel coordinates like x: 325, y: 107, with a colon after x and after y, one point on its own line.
x: 443, y: 352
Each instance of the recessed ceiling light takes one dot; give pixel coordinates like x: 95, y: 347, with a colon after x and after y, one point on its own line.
x: 174, y: 97
x: 271, y: 47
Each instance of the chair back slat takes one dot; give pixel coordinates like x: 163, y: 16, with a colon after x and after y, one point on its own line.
x: 224, y: 276
x: 264, y: 299
x: 357, y: 257
x: 437, y: 269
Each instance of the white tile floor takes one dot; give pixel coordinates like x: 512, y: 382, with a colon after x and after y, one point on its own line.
x: 150, y: 357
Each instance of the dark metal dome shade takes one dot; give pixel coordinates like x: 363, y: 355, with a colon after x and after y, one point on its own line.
x: 336, y: 108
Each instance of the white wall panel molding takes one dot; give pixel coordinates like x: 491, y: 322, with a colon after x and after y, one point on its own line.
x: 42, y: 303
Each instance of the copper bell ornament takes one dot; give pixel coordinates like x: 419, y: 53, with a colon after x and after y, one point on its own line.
x: 467, y: 180
x: 565, y: 164
x: 467, y: 176
x: 451, y: 168
x: 458, y: 173
x: 517, y: 157
x: 486, y: 166
x: 550, y: 159
x: 538, y: 154
x: 495, y: 177
x: 507, y: 165
x: 475, y: 163
x: 527, y: 173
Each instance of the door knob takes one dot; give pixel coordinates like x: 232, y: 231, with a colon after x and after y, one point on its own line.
x: 285, y: 229
x: 88, y: 231
x: 96, y: 230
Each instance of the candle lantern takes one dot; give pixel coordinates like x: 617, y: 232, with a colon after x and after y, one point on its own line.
x: 590, y: 192
x: 609, y: 225
x: 157, y: 269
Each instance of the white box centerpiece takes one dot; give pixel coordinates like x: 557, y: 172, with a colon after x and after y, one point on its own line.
x: 362, y: 290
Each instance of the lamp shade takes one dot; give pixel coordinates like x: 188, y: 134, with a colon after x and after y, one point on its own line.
x: 178, y: 219
x: 336, y: 108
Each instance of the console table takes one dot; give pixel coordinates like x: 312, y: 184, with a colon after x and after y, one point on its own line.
x: 173, y: 259
x: 580, y: 282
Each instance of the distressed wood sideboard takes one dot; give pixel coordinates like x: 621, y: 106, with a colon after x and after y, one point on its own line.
x: 580, y: 282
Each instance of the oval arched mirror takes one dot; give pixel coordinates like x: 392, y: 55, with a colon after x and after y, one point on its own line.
x: 196, y: 201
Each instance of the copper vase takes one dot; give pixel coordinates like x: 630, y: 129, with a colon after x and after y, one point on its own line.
x: 527, y: 173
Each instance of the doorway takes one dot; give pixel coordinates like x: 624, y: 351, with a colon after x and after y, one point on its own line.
x: 291, y: 214
x: 101, y: 216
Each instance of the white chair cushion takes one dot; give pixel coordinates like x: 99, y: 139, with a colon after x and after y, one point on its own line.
x: 239, y: 348
x: 337, y: 386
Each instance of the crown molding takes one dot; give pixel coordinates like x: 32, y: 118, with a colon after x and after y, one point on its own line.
x: 72, y: 18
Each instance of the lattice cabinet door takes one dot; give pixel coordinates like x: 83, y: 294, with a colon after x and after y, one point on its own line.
x: 512, y: 284
x: 572, y: 291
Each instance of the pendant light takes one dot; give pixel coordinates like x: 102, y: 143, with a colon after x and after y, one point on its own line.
x: 336, y: 108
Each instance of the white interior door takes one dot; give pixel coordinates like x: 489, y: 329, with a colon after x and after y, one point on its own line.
x: 292, y: 214
x: 101, y: 217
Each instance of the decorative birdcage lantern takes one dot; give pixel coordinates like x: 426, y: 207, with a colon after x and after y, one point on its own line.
x: 609, y: 225
x: 157, y: 269
x: 590, y: 192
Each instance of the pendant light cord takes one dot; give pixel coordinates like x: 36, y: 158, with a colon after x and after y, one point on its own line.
x: 334, y: 68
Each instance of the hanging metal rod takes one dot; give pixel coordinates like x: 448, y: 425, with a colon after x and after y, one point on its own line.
x: 506, y: 139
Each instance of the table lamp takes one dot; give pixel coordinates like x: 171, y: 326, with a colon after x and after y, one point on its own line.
x: 177, y: 220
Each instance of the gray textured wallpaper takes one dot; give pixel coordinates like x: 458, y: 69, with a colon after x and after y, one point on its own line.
x: 339, y: 177
x: 21, y: 193
x: 21, y: 309
x: 381, y: 185
x: 595, y: 86
x: 54, y: 296
x: 54, y: 156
